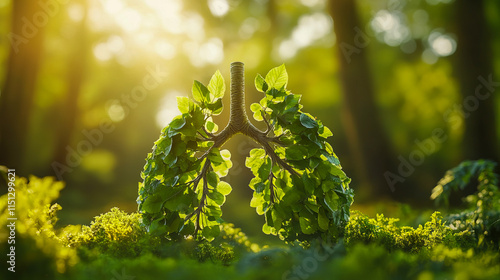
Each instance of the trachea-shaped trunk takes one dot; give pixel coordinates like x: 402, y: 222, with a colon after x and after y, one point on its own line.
x: 238, y: 119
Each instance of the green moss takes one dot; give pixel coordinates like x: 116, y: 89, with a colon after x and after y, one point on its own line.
x: 386, y: 232
x: 116, y: 233
x: 121, y: 235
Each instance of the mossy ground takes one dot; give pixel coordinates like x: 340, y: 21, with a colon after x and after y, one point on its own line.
x: 116, y: 246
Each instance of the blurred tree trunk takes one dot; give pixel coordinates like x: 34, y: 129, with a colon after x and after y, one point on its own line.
x: 16, y: 98
x: 369, y: 144
x: 478, y: 84
x: 77, y: 64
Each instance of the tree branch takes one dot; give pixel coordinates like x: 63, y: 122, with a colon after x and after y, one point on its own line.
x: 269, y: 126
x: 271, y: 185
x: 270, y: 151
x: 199, y: 209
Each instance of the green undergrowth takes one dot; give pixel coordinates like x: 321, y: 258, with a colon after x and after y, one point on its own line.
x: 450, y: 244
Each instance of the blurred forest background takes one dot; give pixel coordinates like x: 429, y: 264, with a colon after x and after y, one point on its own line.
x: 409, y: 88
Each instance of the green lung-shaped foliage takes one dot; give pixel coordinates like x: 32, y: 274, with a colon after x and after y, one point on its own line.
x: 299, y: 185
x: 182, y: 192
x: 314, y: 198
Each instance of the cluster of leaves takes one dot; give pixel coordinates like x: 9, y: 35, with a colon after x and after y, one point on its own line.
x: 482, y: 214
x: 299, y: 184
x: 182, y: 192
x: 311, y: 198
x: 386, y: 232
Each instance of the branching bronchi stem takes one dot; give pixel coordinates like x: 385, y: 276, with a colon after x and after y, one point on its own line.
x: 239, y: 123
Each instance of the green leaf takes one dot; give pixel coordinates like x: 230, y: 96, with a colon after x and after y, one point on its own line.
x: 224, y: 188
x: 216, y: 86
x: 306, y: 225
x: 214, y: 211
x: 307, y: 121
x: 257, y: 200
x: 211, y: 127
x: 163, y: 145
x: 177, y: 123
x: 172, y: 181
x: 211, y: 232
x: 335, y: 170
x: 331, y: 158
x: 225, y: 154
x: 200, y: 93
x: 296, y: 152
x: 265, y: 169
x: 277, y: 78
x: 215, y: 157
x: 332, y: 201
x: 325, y: 132
x: 327, y: 185
x: 255, y: 160
x: 277, y: 219
x: 260, y: 83
x: 184, y: 104
x: 215, y: 107
x: 156, y: 228
x: 267, y: 229
x: 307, y: 221
x: 179, y: 148
x: 255, y: 107
x: 152, y: 204
x: 275, y: 93
x: 323, y: 220
x: 198, y: 118
x: 212, y: 179
x: 259, y: 187
x: 258, y: 116
x: 309, y: 183
x: 217, y: 197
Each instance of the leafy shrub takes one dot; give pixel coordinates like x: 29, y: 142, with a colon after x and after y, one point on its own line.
x: 482, y: 214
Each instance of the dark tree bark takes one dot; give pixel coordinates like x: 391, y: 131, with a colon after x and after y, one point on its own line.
x: 478, y: 85
x: 16, y: 98
x: 369, y: 144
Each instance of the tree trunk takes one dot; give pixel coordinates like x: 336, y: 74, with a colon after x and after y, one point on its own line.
x: 475, y: 73
x: 16, y: 98
x: 369, y: 144
x: 76, y: 69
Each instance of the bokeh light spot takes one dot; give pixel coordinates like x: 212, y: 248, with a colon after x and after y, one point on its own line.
x: 218, y: 8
